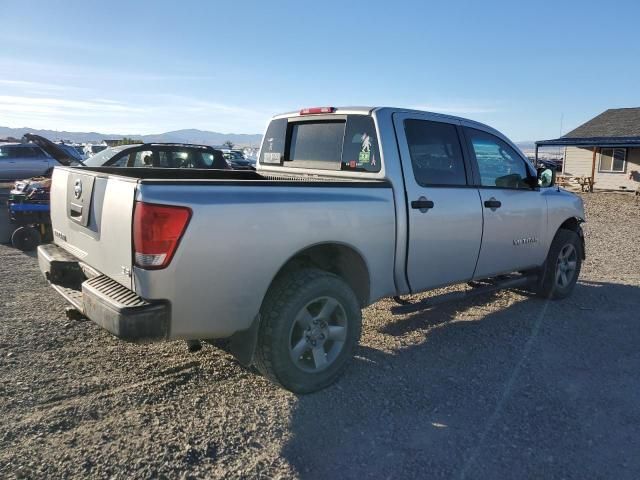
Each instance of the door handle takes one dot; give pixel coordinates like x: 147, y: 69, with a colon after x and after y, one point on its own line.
x: 492, y: 203
x: 422, y: 204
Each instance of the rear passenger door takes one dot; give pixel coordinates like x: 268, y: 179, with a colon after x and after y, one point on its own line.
x: 515, y: 214
x: 444, y: 210
x: 29, y: 161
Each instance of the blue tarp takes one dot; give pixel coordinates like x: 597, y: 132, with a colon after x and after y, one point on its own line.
x: 29, y: 207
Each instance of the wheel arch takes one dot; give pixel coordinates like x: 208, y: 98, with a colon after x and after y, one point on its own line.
x: 339, y: 258
x: 573, y: 224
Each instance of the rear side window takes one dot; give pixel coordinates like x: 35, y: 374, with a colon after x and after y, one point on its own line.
x: 436, y: 155
x: 21, y: 152
x: 6, y: 152
x: 361, y: 151
x: 345, y: 143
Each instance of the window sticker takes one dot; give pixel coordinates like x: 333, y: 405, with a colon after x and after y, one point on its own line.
x: 365, y: 149
x: 271, y: 157
x: 366, y: 143
x: 366, y: 157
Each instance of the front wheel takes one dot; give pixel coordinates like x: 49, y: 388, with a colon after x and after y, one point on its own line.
x: 310, y: 326
x: 562, y: 267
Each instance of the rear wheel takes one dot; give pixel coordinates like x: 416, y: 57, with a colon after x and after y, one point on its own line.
x: 25, y: 238
x: 310, y: 326
x: 562, y: 267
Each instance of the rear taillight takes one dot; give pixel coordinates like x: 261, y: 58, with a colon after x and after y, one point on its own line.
x: 317, y: 110
x: 157, y: 230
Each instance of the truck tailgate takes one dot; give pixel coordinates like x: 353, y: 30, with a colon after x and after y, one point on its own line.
x: 91, y: 213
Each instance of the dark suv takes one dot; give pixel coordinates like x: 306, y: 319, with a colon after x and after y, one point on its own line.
x: 160, y: 155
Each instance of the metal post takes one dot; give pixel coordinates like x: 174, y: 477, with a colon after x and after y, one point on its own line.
x: 593, y: 169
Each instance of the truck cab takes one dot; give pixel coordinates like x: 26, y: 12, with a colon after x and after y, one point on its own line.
x: 461, y: 188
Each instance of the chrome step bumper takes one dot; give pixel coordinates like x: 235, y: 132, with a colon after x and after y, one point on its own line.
x: 103, y: 300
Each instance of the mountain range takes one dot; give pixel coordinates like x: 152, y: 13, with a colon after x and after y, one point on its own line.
x: 190, y: 135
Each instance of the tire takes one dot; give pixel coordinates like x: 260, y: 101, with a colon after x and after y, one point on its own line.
x: 310, y: 326
x: 25, y: 238
x: 562, y: 266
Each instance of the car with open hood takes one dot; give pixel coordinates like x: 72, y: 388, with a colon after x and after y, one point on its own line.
x: 34, y: 156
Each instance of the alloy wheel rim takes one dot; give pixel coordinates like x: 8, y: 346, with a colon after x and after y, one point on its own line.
x: 566, y: 265
x: 318, y: 334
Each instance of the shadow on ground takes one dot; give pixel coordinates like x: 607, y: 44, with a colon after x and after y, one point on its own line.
x: 537, y: 390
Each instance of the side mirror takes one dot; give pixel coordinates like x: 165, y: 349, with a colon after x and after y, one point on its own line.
x: 546, y: 177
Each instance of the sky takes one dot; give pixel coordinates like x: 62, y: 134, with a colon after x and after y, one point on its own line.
x: 531, y: 69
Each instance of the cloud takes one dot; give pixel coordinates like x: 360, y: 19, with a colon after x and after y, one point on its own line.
x: 81, y: 73
x: 48, y: 105
x: 25, y: 84
x: 141, y: 114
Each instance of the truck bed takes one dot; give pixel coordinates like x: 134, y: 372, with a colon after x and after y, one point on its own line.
x: 240, y: 234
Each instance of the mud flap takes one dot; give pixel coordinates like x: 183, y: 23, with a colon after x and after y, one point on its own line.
x: 242, y: 344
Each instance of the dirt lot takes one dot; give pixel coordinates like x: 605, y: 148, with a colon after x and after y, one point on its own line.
x: 504, y: 386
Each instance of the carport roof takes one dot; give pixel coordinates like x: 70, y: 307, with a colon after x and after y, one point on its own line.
x: 616, y: 127
x: 591, y: 142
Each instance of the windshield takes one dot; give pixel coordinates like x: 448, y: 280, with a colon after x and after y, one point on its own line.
x: 105, y: 155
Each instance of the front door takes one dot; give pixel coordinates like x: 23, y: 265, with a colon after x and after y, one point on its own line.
x: 515, y: 215
x: 445, y: 216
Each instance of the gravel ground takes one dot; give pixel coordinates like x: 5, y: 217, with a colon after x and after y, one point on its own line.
x: 500, y: 386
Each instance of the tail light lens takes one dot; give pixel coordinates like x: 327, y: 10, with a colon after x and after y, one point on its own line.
x: 157, y: 230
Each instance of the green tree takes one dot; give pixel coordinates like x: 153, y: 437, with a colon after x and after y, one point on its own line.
x: 128, y: 141
x: 229, y: 144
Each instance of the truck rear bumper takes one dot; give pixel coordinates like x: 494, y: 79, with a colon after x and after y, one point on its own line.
x: 103, y: 300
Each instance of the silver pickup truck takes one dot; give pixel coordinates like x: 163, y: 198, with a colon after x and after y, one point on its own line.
x: 348, y: 205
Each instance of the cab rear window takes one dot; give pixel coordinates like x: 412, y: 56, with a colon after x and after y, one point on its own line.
x: 347, y: 143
